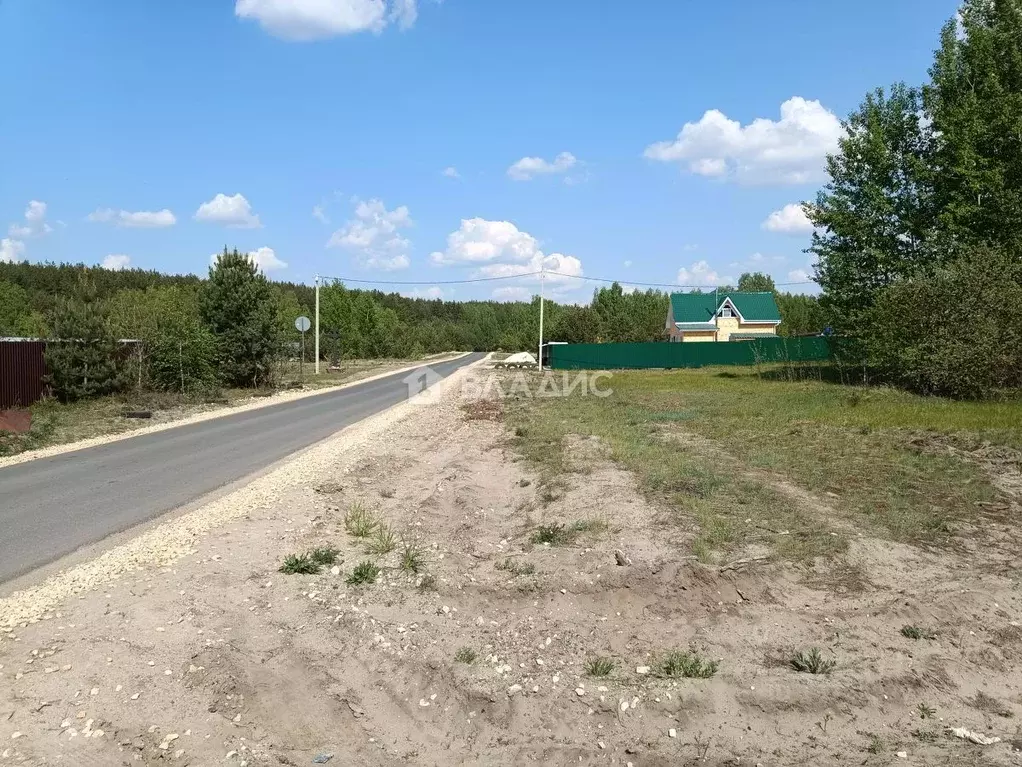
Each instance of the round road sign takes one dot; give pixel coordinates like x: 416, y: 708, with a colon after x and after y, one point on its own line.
x: 303, y: 324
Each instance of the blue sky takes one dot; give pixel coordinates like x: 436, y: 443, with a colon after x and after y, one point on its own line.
x: 638, y: 141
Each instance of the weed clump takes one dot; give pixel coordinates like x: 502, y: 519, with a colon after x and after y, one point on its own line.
x: 811, y: 661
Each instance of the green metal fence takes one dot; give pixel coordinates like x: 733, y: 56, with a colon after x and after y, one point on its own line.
x: 687, y: 355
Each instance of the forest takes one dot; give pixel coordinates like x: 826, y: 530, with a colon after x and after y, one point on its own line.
x: 193, y: 332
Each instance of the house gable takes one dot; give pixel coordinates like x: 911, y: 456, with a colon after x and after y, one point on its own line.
x: 689, y: 308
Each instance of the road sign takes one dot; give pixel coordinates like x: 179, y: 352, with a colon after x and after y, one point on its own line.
x: 302, y: 324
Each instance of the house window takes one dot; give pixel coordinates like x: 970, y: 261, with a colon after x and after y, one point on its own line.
x: 726, y: 312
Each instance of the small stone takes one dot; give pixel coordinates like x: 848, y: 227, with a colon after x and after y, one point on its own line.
x: 424, y: 703
x: 335, y: 570
x: 135, y: 696
x: 642, y: 670
x: 902, y: 754
x: 15, y: 735
x: 622, y: 559
x: 579, y: 692
x: 672, y: 733
x: 237, y: 717
x: 513, y: 689
x: 94, y: 691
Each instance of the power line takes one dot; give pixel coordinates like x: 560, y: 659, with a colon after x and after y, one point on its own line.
x: 661, y: 284
x: 430, y: 282
x: 533, y: 274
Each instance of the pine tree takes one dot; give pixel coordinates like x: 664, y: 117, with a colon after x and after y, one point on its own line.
x: 82, y: 353
x: 237, y: 305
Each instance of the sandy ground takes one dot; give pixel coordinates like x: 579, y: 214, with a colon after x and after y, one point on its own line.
x: 211, y: 656
x: 182, y: 416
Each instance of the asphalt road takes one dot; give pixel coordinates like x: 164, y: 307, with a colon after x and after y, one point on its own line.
x: 50, y: 507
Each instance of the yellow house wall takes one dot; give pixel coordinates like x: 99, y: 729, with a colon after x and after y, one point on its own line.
x: 728, y: 325
x: 697, y: 335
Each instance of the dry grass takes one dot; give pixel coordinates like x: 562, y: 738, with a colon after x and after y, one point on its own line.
x: 728, y: 452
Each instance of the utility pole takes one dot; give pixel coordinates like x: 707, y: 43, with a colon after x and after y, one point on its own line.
x: 542, y: 283
x: 317, y: 327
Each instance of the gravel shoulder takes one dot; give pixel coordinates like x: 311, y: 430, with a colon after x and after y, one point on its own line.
x: 190, y: 647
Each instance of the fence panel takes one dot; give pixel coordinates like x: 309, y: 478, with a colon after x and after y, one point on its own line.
x: 22, y: 367
x: 688, y: 355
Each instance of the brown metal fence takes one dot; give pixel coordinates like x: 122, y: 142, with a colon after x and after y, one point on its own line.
x: 22, y: 368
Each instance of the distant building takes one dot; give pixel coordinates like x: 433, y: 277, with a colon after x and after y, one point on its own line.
x: 720, y: 316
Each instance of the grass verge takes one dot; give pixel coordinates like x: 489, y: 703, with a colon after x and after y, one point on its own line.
x: 731, y: 449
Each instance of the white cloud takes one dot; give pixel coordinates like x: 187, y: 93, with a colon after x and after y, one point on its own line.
x: 374, y: 236
x: 480, y: 241
x: 11, y: 250
x: 451, y: 172
x: 303, y: 20
x: 501, y: 249
x: 116, y: 263
x: 701, y: 274
x: 319, y: 214
x: 627, y: 264
x: 529, y: 167
x: 35, y: 222
x: 266, y: 259
x: 234, y: 211
x: 799, y: 275
x: 791, y: 150
x: 142, y: 219
x: 790, y: 219
x: 432, y: 292
x: 511, y: 293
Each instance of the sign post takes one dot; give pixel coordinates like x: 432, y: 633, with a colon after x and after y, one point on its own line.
x: 301, y: 325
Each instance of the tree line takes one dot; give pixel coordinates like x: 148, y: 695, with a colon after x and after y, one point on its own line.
x: 919, y: 230
x: 236, y: 328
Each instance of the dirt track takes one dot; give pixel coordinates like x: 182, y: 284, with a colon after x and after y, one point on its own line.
x: 219, y: 659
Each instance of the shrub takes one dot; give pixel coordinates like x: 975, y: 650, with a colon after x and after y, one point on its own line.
x: 957, y: 333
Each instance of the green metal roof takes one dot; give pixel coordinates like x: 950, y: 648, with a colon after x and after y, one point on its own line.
x: 701, y: 307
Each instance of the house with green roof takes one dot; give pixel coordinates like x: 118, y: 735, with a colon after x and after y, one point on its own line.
x: 722, y: 316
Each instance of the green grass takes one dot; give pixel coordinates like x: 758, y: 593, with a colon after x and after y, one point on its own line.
x: 300, y: 564
x: 324, y: 556
x: 384, y: 540
x: 364, y: 573
x: 600, y: 667
x: 709, y: 447
x: 811, y: 661
x: 465, y: 655
x: 564, y: 535
x: 413, y: 559
x: 680, y: 664
x: 309, y: 562
x: 917, y: 632
x: 360, y: 522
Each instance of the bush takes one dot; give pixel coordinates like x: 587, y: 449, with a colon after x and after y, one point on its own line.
x: 956, y: 334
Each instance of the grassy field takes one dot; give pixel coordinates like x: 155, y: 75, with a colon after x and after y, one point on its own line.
x: 55, y: 423
x: 798, y: 468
